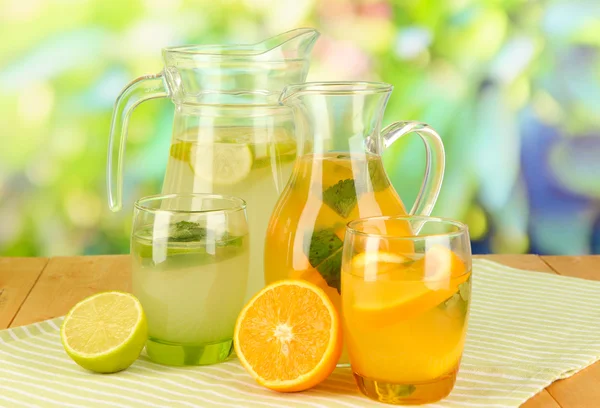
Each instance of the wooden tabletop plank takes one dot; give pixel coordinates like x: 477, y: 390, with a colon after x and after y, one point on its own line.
x: 586, y: 267
x: 543, y: 399
x: 582, y: 389
x: 17, y: 278
x: 529, y: 262
x: 67, y: 280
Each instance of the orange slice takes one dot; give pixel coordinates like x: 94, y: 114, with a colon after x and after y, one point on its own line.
x: 288, y: 337
x: 442, y: 263
x: 386, y: 287
x: 377, y: 265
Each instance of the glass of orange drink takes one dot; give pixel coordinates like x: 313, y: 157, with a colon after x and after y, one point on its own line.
x: 406, y: 286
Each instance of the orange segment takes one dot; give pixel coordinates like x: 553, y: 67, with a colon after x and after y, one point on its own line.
x: 288, y: 337
x: 441, y: 263
x: 377, y: 265
x: 410, y: 288
x: 378, y: 304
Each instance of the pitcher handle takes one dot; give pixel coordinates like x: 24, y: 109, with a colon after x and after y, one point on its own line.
x: 137, y: 91
x: 434, y: 165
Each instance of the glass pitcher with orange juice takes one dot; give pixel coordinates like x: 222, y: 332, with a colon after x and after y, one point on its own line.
x: 339, y: 177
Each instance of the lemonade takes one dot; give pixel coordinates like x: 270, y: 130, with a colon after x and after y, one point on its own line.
x: 191, y: 283
x: 251, y: 163
x: 405, y: 320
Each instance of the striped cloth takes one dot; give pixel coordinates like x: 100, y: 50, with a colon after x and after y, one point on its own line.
x: 526, y: 330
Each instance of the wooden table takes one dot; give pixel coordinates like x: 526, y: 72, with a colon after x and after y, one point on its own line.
x: 35, y: 289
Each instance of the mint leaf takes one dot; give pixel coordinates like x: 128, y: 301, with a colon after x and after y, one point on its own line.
x: 451, y: 302
x: 230, y: 241
x: 341, y: 197
x: 465, y: 290
x: 330, y: 270
x: 323, y: 243
x: 459, y: 302
x: 325, y: 255
x: 186, y: 231
x: 372, y: 177
x: 379, y: 179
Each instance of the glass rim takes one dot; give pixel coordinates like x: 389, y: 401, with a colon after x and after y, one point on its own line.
x: 266, y: 102
x: 333, y: 88
x: 225, y: 52
x: 238, y: 204
x: 461, y: 227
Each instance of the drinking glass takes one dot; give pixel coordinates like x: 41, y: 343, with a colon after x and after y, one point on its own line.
x: 406, y: 285
x: 190, y: 272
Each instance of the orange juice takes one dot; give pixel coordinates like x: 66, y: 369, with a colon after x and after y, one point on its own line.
x: 405, y: 320
x: 306, y: 231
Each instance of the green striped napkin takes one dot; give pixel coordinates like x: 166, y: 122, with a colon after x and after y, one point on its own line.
x: 526, y: 330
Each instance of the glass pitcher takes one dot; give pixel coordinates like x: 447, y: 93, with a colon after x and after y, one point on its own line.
x: 230, y: 135
x: 339, y: 178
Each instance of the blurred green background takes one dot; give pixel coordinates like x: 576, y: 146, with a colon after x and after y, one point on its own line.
x: 512, y: 86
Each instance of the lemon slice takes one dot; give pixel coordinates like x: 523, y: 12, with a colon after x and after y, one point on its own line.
x: 221, y: 163
x: 105, y: 332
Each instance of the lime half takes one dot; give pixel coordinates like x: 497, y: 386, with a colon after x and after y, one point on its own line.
x: 105, y: 332
x: 221, y: 163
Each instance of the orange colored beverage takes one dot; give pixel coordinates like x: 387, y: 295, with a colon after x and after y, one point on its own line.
x: 405, y: 321
x: 306, y: 231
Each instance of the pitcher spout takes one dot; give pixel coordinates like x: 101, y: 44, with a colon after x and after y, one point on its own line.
x: 291, y: 45
x: 193, y: 70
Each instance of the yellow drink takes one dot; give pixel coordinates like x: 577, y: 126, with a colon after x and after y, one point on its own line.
x: 405, y: 321
x: 250, y: 163
x: 306, y: 231
x: 190, y: 259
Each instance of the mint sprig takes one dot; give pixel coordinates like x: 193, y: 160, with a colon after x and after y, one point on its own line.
x: 186, y: 231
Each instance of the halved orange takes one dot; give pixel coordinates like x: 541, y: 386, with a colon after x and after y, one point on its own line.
x: 289, y: 336
x: 313, y: 276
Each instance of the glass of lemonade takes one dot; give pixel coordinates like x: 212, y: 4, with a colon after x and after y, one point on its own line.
x: 406, y: 285
x: 190, y: 272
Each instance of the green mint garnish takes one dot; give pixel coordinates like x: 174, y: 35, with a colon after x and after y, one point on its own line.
x: 465, y: 290
x: 186, y: 231
x: 325, y: 255
x: 230, y: 241
x: 460, y: 300
x: 379, y: 179
x: 341, y: 197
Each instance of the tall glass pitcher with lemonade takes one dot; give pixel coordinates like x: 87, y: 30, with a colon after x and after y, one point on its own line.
x: 230, y: 134
x: 340, y: 177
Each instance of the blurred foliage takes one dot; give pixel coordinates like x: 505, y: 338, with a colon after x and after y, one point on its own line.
x: 512, y: 86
